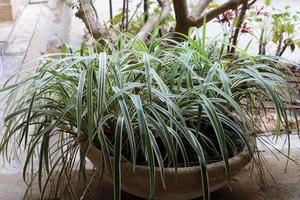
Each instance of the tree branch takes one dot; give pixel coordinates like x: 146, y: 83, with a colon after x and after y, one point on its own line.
x: 146, y: 10
x: 150, y: 24
x: 198, y: 21
x: 252, y: 2
x: 198, y: 10
x: 110, y: 10
x: 184, y: 20
x: 240, y: 20
x: 88, y: 15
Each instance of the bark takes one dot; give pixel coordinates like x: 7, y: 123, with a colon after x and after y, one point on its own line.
x: 198, y: 10
x: 231, y: 4
x: 184, y: 20
x: 88, y: 14
x: 181, y: 13
x: 239, y: 25
x: 151, y: 22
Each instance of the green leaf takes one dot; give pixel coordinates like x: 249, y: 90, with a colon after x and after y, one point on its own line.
x: 218, y: 128
x: 90, y: 110
x: 148, y: 78
x: 79, y: 100
x: 117, y: 18
x: 290, y: 28
x: 117, y: 158
x: 101, y: 84
x: 146, y: 142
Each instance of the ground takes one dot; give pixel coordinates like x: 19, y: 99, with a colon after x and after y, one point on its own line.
x: 246, y: 185
x: 30, y: 36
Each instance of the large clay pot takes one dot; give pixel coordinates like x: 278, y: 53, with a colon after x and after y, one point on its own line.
x: 187, y: 185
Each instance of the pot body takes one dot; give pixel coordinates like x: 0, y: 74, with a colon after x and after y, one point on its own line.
x: 186, y: 185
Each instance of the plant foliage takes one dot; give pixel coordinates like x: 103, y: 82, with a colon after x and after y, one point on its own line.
x: 159, y: 104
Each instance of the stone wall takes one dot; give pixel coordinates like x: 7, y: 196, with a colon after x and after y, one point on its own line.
x: 11, y: 9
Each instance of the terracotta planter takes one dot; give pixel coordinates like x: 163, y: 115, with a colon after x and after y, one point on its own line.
x: 188, y: 184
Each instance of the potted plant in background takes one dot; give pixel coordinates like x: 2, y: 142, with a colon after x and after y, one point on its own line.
x: 275, y: 31
x: 277, y: 28
x: 152, y: 116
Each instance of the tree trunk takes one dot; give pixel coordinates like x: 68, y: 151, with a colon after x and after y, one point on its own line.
x: 181, y: 13
x: 88, y: 14
x: 184, y: 20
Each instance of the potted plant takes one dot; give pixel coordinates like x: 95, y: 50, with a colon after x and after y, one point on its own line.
x: 163, y: 119
x: 275, y: 30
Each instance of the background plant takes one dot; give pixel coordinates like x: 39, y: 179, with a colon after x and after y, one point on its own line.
x: 139, y: 14
x: 186, y: 15
x: 275, y: 26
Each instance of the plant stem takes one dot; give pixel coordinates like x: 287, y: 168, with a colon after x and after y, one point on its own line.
x: 279, y: 43
x: 123, y: 15
x: 127, y: 14
x: 262, y: 43
x: 146, y: 10
x: 240, y: 20
x: 110, y: 10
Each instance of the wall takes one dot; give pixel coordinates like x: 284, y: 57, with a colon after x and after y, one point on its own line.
x: 11, y: 9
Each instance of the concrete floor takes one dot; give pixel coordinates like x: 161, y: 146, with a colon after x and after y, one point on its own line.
x: 31, y: 36
x: 285, y: 185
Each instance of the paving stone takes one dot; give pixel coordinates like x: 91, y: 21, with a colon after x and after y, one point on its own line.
x: 11, y: 64
x: 5, y: 31
x: 24, y: 29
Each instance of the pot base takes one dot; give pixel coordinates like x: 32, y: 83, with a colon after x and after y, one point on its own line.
x: 186, y: 185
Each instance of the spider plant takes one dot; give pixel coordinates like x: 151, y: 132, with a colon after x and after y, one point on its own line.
x: 159, y: 104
